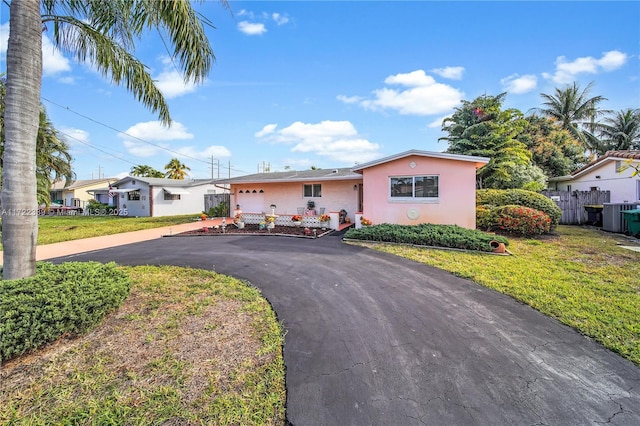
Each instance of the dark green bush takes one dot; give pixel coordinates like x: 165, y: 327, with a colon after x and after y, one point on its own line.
x: 66, y: 299
x: 521, y: 220
x: 519, y: 197
x: 484, y: 218
x: 449, y: 236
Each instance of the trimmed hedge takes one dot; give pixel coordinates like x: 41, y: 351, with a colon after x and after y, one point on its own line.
x: 519, y: 197
x: 66, y: 299
x: 449, y: 236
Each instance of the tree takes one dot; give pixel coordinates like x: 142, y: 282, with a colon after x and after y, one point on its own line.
x: 102, y: 33
x: 53, y: 161
x: 142, y: 170
x: 553, y: 149
x: 482, y: 128
x: 620, y: 131
x: 176, y: 169
x: 575, y: 111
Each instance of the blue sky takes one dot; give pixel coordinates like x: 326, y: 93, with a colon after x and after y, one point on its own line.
x: 332, y: 84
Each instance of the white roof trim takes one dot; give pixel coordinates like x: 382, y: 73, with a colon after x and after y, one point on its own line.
x: 175, y: 191
x: 444, y: 155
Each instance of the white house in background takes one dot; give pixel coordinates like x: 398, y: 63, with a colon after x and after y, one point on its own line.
x: 79, y: 192
x: 141, y: 196
x: 607, y: 173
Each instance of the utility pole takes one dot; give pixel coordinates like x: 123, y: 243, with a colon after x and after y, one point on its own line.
x: 212, y: 167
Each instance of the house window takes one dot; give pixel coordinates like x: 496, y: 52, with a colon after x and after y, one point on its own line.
x: 133, y: 195
x: 171, y: 197
x: 314, y: 190
x: 423, y: 187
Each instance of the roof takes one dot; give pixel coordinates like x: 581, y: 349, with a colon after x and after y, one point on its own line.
x: 479, y: 161
x: 59, y: 185
x: 183, y: 183
x: 295, y: 176
x: 607, y: 157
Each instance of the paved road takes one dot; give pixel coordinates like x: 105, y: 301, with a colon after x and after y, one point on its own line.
x: 377, y: 340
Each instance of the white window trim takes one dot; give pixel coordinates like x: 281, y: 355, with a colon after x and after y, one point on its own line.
x: 412, y: 199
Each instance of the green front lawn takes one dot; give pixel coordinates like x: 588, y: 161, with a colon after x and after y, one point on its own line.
x: 55, y: 229
x: 581, y: 277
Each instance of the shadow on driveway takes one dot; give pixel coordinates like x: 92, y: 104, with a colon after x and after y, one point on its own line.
x: 374, y: 339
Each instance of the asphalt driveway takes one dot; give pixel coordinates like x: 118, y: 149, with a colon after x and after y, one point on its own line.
x: 373, y: 339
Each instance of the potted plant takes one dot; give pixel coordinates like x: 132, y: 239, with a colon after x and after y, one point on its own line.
x: 296, y: 219
x: 271, y: 222
x: 365, y: 222
x: 203, y: 217
x: 237, y: 220
x: 324, y: 218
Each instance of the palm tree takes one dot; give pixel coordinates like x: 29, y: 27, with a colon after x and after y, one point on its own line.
x: 176, y: 169
x: 620, y: 132
x: 104, y: 34
x: 575, y: 111
x: 143, y: 170
x: 53, y: 161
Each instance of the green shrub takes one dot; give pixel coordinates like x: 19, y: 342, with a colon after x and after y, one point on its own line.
x: 66, y: 299
x: 521, y: 220
x: 519, y: 197
x: 484, y: 218
x: 449, y: 236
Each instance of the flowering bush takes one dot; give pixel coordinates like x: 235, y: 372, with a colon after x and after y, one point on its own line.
x: 520, y: 197
x: 296, y: 218
x: 237, y: 218
x: 521, y: 220
x: 364, y: 221
x: 271, y: 219
x: 324, y: 218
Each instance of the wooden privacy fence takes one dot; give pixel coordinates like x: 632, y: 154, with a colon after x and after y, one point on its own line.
x: 214, y: 200
x: 572, y: 204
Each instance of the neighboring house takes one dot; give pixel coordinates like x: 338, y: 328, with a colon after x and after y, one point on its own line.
x: 421, y: 187
x: 141, y: 196
x: 407, y: 188
x: 606, y: 173
x: 78, y: 193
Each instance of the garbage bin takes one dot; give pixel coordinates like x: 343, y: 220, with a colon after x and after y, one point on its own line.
x: 633, y: 221
x: 594, y: 215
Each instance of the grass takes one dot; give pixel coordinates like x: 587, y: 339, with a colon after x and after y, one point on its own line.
x: 581, y: 277
x: 187, y: 347
x: 56, y: 229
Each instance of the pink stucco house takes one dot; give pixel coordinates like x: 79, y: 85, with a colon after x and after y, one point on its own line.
x: 421, y: 187
x: 411, y: 187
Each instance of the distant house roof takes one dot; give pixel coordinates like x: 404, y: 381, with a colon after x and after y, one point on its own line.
x: 598, y: 162
x: 295, y: 176
x: 182, y: 183
x: 479, y: 161
x: 59, y: 185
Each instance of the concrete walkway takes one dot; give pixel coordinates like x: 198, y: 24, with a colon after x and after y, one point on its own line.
x: 66, y: 248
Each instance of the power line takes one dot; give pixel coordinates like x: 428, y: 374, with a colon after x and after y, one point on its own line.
x: 135, y: 137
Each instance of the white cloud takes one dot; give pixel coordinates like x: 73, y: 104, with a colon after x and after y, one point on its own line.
x: 349, y: 99
x: 566, y: 71
x: 337, y: 140
x: 424, y: 96
x: 53, y: 61
x: 452, y: 73
x: 280, y: 19
x: 519, y: 84
x: 266, y: 130
x: 437, y: 123
x: 73, y: 135
x: 152, y: 131
x: 172, y: 84
x: 250, y: 28
x: 4, y: 37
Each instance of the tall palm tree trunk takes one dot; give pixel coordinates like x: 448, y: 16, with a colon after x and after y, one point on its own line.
x: 22, y: 108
